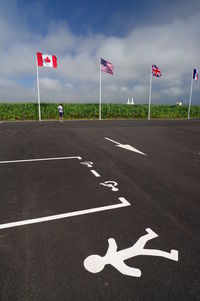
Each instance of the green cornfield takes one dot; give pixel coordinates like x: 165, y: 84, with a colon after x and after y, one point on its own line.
x: 49, y: 111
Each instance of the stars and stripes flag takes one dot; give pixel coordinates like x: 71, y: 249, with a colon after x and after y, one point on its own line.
x: 195, y: 74
x: 156, y: 71
x: 107, y: 66
x: 46, y: 60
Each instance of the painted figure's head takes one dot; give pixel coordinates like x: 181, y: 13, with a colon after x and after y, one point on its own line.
x: 94, y: 263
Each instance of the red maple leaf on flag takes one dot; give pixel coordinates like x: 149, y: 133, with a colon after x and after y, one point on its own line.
x: 47, y: 60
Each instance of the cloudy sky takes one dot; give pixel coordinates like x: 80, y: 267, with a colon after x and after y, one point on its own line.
x: 132, y: 34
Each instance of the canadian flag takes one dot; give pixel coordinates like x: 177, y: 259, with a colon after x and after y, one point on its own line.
x: 45, y: 60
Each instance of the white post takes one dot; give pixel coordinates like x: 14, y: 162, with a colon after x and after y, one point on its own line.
x: 39, y: 112
x: 100, y: 92
x: 190, y: 96
x: 150, y: 94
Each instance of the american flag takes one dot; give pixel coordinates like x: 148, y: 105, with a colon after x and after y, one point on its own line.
x: 156, y: 71
x: 195, y: 74
x: 107, y: 66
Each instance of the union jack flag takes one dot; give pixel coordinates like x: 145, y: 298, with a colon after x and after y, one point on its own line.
x: 156, y: 71
x: 107, y: 66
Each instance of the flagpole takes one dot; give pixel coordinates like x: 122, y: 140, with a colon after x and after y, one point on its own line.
x: 100, y: 92
x: 39, y: 112
x: 150, y: 94
x: 190, y: 100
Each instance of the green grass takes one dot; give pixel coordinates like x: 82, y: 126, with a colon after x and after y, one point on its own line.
x: 29, y: 111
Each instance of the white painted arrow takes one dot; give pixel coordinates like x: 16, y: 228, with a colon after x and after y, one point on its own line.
x: 126, y: 146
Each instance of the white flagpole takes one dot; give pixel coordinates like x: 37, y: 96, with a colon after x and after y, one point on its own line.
x: 150, y: 94
x: 190, y: 100
x: 39, y: 112
x: 100, y: 92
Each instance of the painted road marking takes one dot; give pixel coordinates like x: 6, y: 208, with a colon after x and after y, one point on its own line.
x: 96, y: 263
x: 87, y: 163
x: 123, y: 203
x: 110, y: 184
x: 41, y: 159
x: 95, y: 173
x: 126, y: 146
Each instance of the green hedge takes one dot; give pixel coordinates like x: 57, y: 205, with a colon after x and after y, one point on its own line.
x: 29, y: 111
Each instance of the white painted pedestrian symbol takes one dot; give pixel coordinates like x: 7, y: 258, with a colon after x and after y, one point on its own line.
x: 96, y: 263
x: 110, y: 184
x: 87, y: 163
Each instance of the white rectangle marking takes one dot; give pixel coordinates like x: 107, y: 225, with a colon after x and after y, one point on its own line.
x: 123, y: 203
x: 37, y: 160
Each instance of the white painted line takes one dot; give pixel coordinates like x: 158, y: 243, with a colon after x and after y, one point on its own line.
x: 111, y: 140
x: 95, y: 173
x: 42, y: 159
x: 123, y: 203
x: 126, y: 146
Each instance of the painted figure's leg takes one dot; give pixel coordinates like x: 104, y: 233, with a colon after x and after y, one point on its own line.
x: 173, y: 255
x: 141, y: 242
x: 112, y: 246
x: 126, y: 270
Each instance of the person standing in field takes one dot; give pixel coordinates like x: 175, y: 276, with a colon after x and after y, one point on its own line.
x: 60, y: 111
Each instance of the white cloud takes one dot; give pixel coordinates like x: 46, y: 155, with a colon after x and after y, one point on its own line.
x: 69, y: 86
x: 16, y: 91
x: 173, y: 47
x: 50, y: 84
x: 172, y: 91
x: 124, y: 89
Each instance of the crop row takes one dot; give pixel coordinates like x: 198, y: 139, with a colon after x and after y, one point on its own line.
x: 29, y: 111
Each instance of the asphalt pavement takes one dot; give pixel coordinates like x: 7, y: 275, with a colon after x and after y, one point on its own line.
x: 100, y: 210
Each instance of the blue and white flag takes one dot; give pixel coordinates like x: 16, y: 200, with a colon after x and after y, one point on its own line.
x: 195, y: 74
